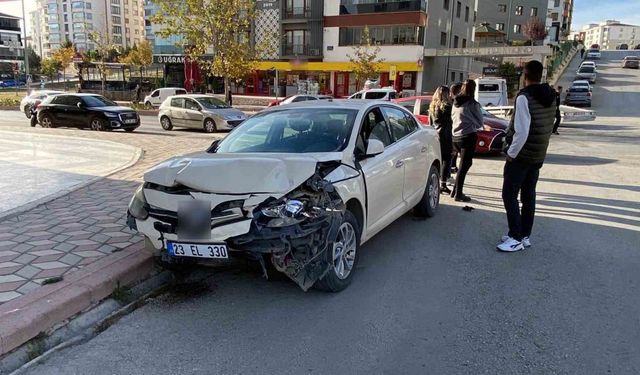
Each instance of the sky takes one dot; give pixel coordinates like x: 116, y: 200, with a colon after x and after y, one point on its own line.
x: 584, y: 11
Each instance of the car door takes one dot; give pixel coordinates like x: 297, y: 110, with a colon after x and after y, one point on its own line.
x: 193, y: 116
x: 384, y: 173
x: 412, y: 152
x: 176, y: 112
x: 65, y: 112
x: 155, y: 98
x: 77, y: 115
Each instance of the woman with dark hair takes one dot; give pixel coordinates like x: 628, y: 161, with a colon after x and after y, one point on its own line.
x: 455, y: 91
x: 440, y: 118
x: 467, y: 120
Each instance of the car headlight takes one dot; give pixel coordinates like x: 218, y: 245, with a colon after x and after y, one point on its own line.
x: 138, y: 204
x: 109, y: 114
x: 284, y: 214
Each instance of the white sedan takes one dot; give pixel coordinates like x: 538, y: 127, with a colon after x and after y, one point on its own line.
x: 301, y: 186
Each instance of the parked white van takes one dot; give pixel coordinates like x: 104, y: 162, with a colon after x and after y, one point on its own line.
x: 491, y: 92
x: 386, y: 93
x: 159, y: 95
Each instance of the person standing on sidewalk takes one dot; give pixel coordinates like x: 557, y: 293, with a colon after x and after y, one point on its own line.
x: 556, y: 124
x: 526, y: 145
x: 582, y: 53
x: 467, y: 120
x: 440, y: 118
x: 455, y: 91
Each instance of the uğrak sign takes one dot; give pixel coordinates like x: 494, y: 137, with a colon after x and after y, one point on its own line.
x: 488, y: 51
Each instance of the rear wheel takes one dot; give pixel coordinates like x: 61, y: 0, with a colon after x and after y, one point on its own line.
x: 27, y: 111
x: 428, y: 205
x: 46, y: 121
x: 97, y: 124
x: 148, y: 105
x: 209, y: 126
x: 342, y: 256
x: 165, y: 122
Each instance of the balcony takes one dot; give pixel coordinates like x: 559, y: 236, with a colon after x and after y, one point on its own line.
x: 289, y: 50
x: 297, y: 13
x: 353, y: 7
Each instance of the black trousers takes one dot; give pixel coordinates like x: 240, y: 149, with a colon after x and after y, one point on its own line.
x: 446, y: 148
x: 520, y: 178
x: 556, y: 124
x: 466, y: 147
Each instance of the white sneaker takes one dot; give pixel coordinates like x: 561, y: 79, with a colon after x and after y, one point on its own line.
x: 510, y: 245
x: 526, y: 242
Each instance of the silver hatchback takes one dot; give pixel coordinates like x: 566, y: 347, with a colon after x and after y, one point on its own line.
x: 198, y: 112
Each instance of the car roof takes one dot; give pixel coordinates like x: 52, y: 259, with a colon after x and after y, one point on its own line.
x: 581, y: 81
x: 357, y: 104
x: 407, y: 98
x: 171, y: 88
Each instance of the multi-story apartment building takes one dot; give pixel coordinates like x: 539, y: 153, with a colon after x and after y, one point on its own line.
x: 510, y: 16
x: 11, y: 44
x: 53, y: 22
x: 610, y: 34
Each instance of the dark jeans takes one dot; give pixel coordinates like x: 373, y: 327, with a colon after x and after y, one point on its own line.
x: 446, y: 148
x: 556, y: 124
x: 520, y: 178
x: 466, y: 147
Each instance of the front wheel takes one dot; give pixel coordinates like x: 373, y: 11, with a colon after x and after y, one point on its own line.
x: 209, y: 126
x: 428, y: 205
x: 342, y: 256
x: 97, y: 124
x: 27, y: 111
x: 165, y: 122
x: 46, y: 121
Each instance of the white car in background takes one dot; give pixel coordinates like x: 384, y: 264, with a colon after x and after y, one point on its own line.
x: 377, y: 94
x: 35, y: 98
x: 300, y: 186
x: 593, y: 54
x: 157, y: 96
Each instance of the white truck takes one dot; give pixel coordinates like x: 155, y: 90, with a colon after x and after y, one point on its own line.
x: 491, y: 92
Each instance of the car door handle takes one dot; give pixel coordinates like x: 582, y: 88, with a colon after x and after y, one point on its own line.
x: 399, y: 163
x: 423, y: 149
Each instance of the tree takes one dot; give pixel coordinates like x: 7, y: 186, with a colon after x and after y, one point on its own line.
x: 104, y: 51
x: 535, y: 30
x: 49, y: 67
x: 139, y: 55
x: 507, y: 70
x: 34, y: 60
x: 219, y: 27
x: 64, y: 56
x: 364, y: 59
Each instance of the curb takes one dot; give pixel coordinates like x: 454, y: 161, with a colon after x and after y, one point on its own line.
x: 566, y: 63
x: 42, y: 309
x: 31, y: 205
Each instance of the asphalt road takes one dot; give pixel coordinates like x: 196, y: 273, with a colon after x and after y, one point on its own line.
x: 433, y: 297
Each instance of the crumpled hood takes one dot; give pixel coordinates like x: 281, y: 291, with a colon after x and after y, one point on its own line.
x: 541, y: 92
x: 228, y: 113
x: 275, y: 174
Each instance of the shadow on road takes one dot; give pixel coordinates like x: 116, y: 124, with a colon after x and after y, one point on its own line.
x: 560, y: 159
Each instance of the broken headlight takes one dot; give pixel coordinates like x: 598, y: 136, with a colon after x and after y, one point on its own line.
x: 138, y: 204
x: 289, y: 212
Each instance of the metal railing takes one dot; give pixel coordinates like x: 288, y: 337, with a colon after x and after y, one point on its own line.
x: 300, y: 50
x: 297, y: 12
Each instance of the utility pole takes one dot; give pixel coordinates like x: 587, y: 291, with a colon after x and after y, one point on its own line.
x: 26, y: 55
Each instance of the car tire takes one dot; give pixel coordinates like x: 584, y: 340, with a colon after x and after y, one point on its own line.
x: 27, y: 111
x: 97, y: 124
x: 165, y: 122
x: 210, y: 126
x: 46, y: 121
x: 428, y: 205
x: 341, y: 270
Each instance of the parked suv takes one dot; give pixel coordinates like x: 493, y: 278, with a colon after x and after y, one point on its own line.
x: 199, y: 112
x: 86, y: 111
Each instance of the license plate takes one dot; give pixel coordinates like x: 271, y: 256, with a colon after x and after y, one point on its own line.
x: 198, y: 250
x: 131, y: 121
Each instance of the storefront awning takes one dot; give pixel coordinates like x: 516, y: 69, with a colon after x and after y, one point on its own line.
x: 334, y: 66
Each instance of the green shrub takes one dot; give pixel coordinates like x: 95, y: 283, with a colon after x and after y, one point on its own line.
x: 9, y: 102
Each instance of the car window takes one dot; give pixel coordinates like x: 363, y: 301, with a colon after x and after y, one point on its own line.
x: 399, y: 123
x: 155, y: 94
x: 68, y: 100
x: 301, y: 98
x: 424, y: 107
x: 211, y: 103
x: 374, y: 126
x: 98, y: 101
x: 408, y: 104
x: 311, y: 98
x: 177, y: 102
x: 489, y: 87
x: 375, y: 94
x: 191, y: 104
x: 181, y: 92
x: 586, y: 69
x: 293, y: 130
x: 357, y: 95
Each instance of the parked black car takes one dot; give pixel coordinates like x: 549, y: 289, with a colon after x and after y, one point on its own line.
x: 86, y: 111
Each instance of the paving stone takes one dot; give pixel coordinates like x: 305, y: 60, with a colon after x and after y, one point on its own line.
x: 90, y: 253
x: 8, y: 296
x: 70, y: 259
x: 60, y: 238
x: 49, y: 265
x: 25, y: 258
x: 100, y: 238
x: 6, y: 287
x: 52, y: 273
x: 48, y: 258
x: 28, y: 271
x: 27, y: 287
x: 10, y: 270
x: 83, y: 242
x: 21, y: 238
x: 22, y: 248
x: 10, y: 278
x: 66, y: 247
x: 106, y: 249
x: 41, y: 253
x: 42, y: 243
x: 8, y: 264
x: 41, y: 235
x: 6, y: 243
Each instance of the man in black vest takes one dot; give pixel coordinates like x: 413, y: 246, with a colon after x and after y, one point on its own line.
x: 526, y: 146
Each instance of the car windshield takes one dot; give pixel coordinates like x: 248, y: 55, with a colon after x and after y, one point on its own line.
x: 211, y: 102
x: 488, y: 87
x: 98, y: 101
x: 586, y: 69
x: 375, y: 94
x: 293, y: 130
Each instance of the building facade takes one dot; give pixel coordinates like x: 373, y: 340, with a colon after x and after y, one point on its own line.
x: 11, y: 44
x: 53, y: 22
x: 610, y: 34
x: 510, y: 16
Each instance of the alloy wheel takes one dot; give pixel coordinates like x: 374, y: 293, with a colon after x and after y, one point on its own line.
x: 96, y: 125
x: 344, y: 251
x: 434, y: 191
x: 46, y: 122
x: 166, y: 123
x: 209, y: 126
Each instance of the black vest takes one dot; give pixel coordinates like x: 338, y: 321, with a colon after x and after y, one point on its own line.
x: 542, y: 119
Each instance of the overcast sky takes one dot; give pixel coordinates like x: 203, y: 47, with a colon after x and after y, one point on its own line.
x: 584, y: 11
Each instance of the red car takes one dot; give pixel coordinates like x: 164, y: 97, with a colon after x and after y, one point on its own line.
x: 490, y: 139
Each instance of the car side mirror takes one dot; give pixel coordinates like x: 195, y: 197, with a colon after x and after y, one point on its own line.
x: 374, y: 148
x: 213, y: 146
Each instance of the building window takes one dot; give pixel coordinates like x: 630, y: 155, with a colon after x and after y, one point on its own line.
x: 554, y: 16
x: 534, y: 12
x: 89, y: 16
x: 53, y: 18
x: 458, y: 10
x: 115, y: 19
x: 66, y: 28
x: 115, y: 10
x: 466, y: 14
x: 117, y: 30
x: 502, y: 8
x: 52, y: 8
x: 116, y: 2
x: 78, y: 16
x: 64, y: 7
x: 443, y: 39
x: 500, y: 26
x: 296, y: 41
x: 461, y: 77
x: 464, y: 43
x: 117, y: 39
x: 446, y: 4
x: 517, y: 28
x: 383, y: 35
x: 137, y: 32
x: 556, y: 3
x: 126, y: 20
x: 87, y: 5
x: 77, y: 5
x: 519, y: 10
x: 297, y: 8
x: 455, y: 41
x: 453, y: 76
